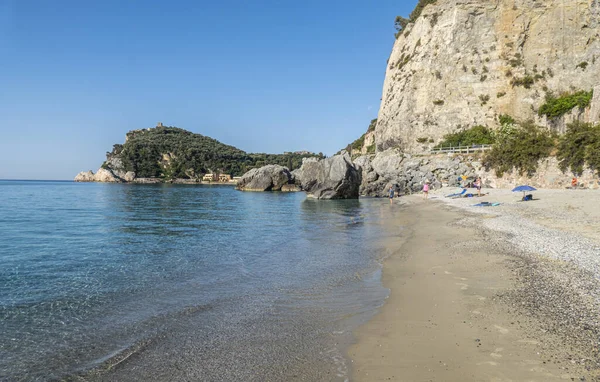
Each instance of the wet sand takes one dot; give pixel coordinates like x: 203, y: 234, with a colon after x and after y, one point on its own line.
x: 462, y: 307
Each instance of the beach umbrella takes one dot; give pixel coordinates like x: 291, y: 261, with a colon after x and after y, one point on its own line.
x: 523, y: 188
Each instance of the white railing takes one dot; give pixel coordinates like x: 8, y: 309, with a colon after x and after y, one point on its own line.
x: 461, y: 149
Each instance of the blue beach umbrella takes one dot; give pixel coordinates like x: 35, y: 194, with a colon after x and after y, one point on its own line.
x: 524, y: 188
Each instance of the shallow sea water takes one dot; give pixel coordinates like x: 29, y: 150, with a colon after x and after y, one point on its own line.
x: 177, y: 282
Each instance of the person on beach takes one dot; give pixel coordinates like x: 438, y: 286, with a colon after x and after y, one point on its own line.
x: 426, y: 189
x: 574, y: 183
x: 391, y: 192
x: 477, y: 185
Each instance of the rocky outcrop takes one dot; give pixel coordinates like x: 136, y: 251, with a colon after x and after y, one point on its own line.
x: 112, y: 171
x: 407, y: 174
x: 104, y: 175
x: 464, y: 62
x: 85, y: 176
x: 267, y: 178
x: 331, y: 178
x: 456, y: 170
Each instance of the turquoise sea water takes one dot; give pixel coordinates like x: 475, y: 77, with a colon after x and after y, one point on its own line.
x: 175, y: 282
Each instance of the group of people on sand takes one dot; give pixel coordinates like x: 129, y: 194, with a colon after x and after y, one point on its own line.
x: 391, y: 191
x: 476, y: 184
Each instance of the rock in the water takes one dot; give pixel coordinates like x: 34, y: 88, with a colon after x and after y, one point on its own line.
x: 267, y: 178
x: 102, y: 175
x: 129, y: 176
x: 331, y: 178
x: 106, y: 176
x: 85, y: 176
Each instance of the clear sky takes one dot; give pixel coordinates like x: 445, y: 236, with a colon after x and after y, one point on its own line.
x: 264, y: 76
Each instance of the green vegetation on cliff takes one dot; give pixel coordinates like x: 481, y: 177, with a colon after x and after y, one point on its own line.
x: 579, y: 145
x: 519, y: 147
x: 419, y: 8
x: 355, y: 147
x: 477, y: 135
x: 401, y: 22
x: 558, y: 106
x: 170, y: 152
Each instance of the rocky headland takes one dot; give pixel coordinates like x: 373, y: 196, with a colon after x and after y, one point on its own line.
x: 165, y: 154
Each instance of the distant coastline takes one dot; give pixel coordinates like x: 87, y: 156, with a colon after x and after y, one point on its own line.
x: 35, y: 180
x: 169, y: 154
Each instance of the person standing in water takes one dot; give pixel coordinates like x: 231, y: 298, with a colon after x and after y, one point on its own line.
x: 426, y: 189
x: 391, y: 193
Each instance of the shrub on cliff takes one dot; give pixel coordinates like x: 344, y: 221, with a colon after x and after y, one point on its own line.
x: 477, y: 135
x: 400, y: 22
x: 579, y: 145
x: 355, y: 147
x: 558, y: 106
x: 372, y: 125
x: 506, y: 119
x: 419, y: 8
x: 519, y: 147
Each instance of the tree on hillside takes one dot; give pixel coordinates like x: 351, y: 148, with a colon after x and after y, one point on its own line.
x: 400, y: 23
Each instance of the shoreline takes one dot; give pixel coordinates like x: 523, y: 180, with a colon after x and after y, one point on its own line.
x: 471, y: 299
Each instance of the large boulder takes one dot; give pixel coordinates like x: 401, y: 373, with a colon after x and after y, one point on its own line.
x: 381, y: 171
x: 129, y: 176
x: 388, y: 162
x: 85, y: 176
x: 267, y: 178
x: 368, y: 174
x: 364, y: 162
x: 106, y: 176
x: 332, y: 178
x: 297, y: 175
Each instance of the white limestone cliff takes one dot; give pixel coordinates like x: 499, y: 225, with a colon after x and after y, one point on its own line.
x: 456, y: 67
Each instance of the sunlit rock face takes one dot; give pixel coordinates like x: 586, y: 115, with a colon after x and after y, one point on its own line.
x: 464, y: 62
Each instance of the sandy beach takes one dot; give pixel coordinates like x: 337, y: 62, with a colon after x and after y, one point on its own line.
x: 506, y: 293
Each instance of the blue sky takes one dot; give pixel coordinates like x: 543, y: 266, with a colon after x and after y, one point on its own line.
x: 264, y: 76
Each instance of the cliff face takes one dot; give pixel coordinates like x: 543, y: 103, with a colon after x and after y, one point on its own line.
x: 464, y: 62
